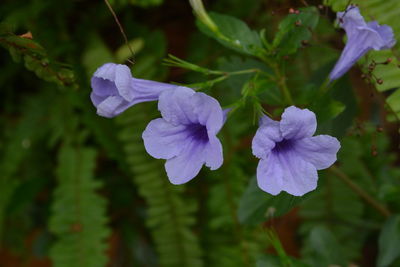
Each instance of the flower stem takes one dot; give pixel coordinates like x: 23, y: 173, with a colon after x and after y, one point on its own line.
x: 280, y: 80
x: 359, y: 191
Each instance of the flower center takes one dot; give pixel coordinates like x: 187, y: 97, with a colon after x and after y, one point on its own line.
x: 198, y: 132
x: 283, y: 146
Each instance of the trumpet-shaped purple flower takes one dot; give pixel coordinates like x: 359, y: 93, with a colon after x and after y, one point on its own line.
x: 115, y: 90
x: 361, y: 37
x: 186, y: 134
x: 289, y: 153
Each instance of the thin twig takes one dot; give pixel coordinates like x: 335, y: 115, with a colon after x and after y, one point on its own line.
x: 121, y: 30
x: 358, y: 190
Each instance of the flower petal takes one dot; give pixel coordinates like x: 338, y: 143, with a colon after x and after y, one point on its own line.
x: 351, y: 20
x: 266, y: 136
x: 106, y: 72
x: 208, y: 112
x: 213, y: 153
x: 319, y: 150
x: 175, y: 106
x: 269, y: 175
x: 147, y: 90
x: 187, y: 165
x: 287, y: 172
x: 297, y: 123
x: 112, y: 106
x: 163, y: 140
x: 123, y: 82
x: 102, y: 86
x: 385, y: 33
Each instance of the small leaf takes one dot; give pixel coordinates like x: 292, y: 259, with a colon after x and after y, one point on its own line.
x: 233, y: 33
x: 389, y: 242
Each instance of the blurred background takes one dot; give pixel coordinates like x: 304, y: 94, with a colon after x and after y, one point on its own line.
x: 80, y: 190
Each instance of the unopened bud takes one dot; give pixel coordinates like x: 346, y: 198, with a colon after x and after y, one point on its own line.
x: 291, y: 10
x: 202, y: 15
x: 298, y: 23
x: 388, y: 60
x: 379, y: 81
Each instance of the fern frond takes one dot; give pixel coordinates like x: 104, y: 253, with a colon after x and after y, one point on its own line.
x: 78, y: 213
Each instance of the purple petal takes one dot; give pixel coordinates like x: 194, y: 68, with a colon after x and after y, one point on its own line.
x: 187, y: 165
x: 385, y: 33
x: 286, y: 172
x: 102, y: 87
x: 225, y: 114
x: 213, y: 152
x: 266, y: 136
x: 175, y: 106
x: 106, y: 72
x: 208, y: 112
x: 163, y: 140
x: 297, y: 123
x: 269, y: 175
x: 113, y: 79
x: 146, y: 90
x: 123, y: 82
x: 112, y: 106
x: 351, y: 20
x: 319, y: 150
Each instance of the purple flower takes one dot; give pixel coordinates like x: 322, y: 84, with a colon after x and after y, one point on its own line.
x: 115, y: 90
x: 361, y: 37
x: 289, y: 153
x: 186, y: 134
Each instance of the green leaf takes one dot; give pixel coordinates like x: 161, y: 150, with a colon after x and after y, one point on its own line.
x: 256, y: 205
x: 294, y: 29
x: 233, y: 33
x: 327, y: 109
x: 389, y: 242
x: 325, y: 248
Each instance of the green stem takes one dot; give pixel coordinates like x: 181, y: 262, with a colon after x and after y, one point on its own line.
x: 361, y: 192
x: 326, y: 86
x: 280, y: 80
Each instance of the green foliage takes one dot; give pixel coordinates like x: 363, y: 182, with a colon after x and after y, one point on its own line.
x: 36, y: 59
x: 389, y: 242
x: 294, y: 30
x: 233, y: 33
x: 78, y: 213
x: 221, y: 217
x: 256, y: 206
x: 170, y: 215
x: 18, y: 145
x: 324, y: 249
